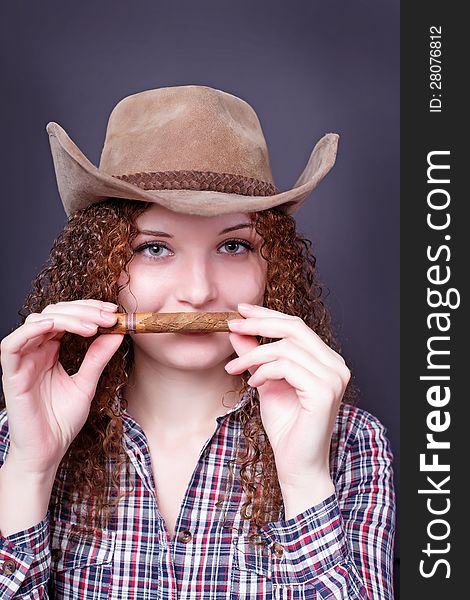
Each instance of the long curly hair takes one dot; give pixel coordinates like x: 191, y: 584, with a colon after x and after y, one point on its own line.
x: 86, y: 261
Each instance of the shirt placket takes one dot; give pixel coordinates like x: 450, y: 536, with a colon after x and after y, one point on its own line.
x: 171, y: 570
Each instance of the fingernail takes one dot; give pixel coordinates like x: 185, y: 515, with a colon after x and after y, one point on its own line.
x: 235, y: 322
x: 89, y: 326
x: 106, y: 314
x: 245, y: 305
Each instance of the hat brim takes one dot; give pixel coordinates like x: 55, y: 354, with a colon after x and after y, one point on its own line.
x: 81, y: 184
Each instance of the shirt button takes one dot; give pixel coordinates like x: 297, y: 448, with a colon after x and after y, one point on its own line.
x: 185, y: 536
x: 8, y: 567
x: 278, y: 550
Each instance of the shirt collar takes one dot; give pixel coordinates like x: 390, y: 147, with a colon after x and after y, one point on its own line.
x: 243, y: 400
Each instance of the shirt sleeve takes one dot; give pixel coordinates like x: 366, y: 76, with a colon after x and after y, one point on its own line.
x: 24, y: 562
x: 343, y: 546
x: 24, y: 556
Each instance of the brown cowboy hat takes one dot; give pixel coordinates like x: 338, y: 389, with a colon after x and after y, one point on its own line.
x: 191, y: 148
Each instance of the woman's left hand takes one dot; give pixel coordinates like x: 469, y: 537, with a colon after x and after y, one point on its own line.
x: 300, y: 381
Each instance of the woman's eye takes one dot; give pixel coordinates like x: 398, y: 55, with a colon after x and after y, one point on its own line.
x: 233, y: 245
x: 153, y: 250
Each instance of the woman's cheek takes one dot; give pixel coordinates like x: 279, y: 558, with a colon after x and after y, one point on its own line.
x: 141, y: 292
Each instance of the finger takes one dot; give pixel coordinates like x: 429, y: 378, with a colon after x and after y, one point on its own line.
x: 98, y: 355
x: 242, y: 344
x: 86, y: 312
x: 302, y: 380
x: 77, y: 323
x: 298, y: 377
x: 293, y: 328
x: 278, y: 350
x: 13, y: 343
x: 39, y: 342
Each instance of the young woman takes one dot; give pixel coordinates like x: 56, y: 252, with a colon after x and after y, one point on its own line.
x: 182, y: 465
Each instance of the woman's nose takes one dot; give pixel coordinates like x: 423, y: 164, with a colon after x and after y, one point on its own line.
x: 196, y: 283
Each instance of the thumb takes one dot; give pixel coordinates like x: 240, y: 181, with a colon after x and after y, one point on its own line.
x: 97, y: 357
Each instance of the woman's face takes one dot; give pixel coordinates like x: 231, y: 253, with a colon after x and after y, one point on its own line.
x: 187, y: 263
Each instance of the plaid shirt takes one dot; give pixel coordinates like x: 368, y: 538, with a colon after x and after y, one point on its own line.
x: 339, y: 548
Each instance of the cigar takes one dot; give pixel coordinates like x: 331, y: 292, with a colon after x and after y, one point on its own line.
x: 148, y: 322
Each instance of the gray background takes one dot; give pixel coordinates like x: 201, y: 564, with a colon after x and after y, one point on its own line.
x: 307, y: 68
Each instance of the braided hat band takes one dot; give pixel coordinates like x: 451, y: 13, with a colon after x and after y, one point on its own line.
x: 202, y: 181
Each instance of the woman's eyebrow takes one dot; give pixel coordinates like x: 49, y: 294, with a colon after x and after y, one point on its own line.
x: 239, y: 226
x: 163, y: 234
x: 156, y: 233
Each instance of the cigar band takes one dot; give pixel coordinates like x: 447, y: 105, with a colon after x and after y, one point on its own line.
x: 131, y: 323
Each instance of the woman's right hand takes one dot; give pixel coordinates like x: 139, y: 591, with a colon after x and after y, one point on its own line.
x: 46, y: 407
